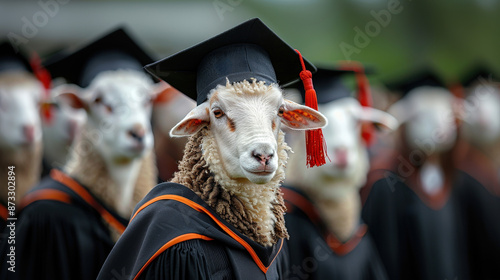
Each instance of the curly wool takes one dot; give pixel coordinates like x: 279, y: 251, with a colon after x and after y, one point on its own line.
x: 255, y: 210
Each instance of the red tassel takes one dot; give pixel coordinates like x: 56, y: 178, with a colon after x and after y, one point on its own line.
x: 44, y: 77
x: 364, y: 98
x: 315, y: 142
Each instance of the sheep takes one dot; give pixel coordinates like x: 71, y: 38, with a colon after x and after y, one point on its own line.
x: 414, y: 210
x: 21, y: 137
x: 333, y: 190
x: 340, y: 179
x: 60, y: 125
x: 234, y: 162
x: 79, y: 212
x: 481, y: 134
x: 113, y: 155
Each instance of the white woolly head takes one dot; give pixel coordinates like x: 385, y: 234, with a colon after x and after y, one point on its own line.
x: 245, y: 119
x: 346, y: 148
x: 20, y: 94
x: 429, y: 114
x: 482, y: 115
x: 118, y: 104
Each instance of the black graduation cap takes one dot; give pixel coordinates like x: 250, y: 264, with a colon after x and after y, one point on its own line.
x: 113, y: 51
x: 10, y: 59
x: 477, y: 74
x: 249, y: 50
x: 329, y: 85
x: 330, y: 82
x: 424, y: 77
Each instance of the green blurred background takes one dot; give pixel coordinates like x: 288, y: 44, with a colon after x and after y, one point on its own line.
x: 449, y: 36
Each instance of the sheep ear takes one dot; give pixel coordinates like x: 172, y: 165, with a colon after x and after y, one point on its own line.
x: 195, y: 120
x: 378, y: 117
x: 163, y: 93
x: 401, y: 111
x: 70, y: 95
x: 300, y: 117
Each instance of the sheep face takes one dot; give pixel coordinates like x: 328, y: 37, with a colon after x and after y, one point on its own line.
x: 118, y: 104
x: 346, y: 148
x: 430, y: 119
x: 20, y: 94
x: 482, y: 115
x: 245, y: 120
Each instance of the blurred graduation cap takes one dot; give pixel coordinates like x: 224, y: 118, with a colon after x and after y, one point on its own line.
x: 113, y: 51
x: 424, y: 77
x: 330, y: 82
x: 330, y: 85
x: 10, y: 59
x: 477, y: 74
x: 249, y: 50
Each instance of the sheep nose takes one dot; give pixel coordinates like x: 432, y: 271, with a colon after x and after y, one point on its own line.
x: 263, y: 158
x: 137, y: 133
x: 29, y: 133
x: 341, y: 157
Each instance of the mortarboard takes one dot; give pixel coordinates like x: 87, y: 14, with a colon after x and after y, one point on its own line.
x: 113, y: 51
x: 478, y: 74
x: 424, y: 77
x: 330, y: 86
x: 10, y: 59
x: 249, y: 50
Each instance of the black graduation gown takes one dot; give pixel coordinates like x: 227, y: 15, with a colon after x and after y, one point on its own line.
x: 61, y: 232
x: 174, y: 234
x: 483, y: 207
x: 316, y: 254
x: 418, y: 238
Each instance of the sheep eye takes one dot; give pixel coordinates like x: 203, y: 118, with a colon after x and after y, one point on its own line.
x: 218, y: 113
x: 108, y: 107
x: 281, y: 111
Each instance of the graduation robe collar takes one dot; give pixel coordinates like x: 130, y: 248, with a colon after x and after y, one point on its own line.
x: 171, y: 213
x: 71, y: 192
x: 297, y: 200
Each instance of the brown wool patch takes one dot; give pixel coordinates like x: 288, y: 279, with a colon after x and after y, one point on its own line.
x: 231, y: 125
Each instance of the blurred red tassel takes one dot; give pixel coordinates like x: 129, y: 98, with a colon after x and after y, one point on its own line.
x: 364, y: 98
x: 315, y: 142
x: 44, y: 77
